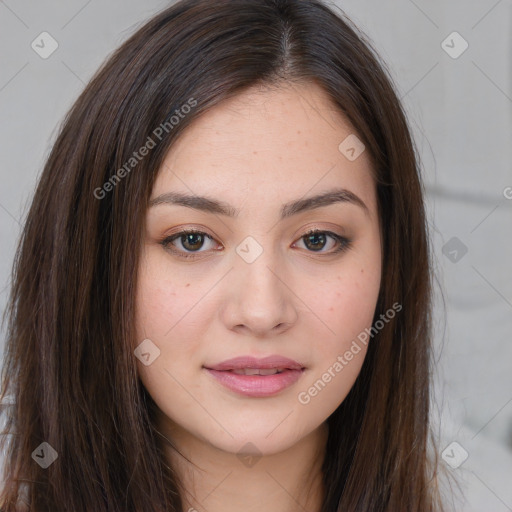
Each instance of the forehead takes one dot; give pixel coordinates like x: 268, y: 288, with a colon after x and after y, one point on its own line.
x: 267, y: 144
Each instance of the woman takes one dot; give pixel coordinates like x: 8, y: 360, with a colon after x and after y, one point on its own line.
x: 222, y: 293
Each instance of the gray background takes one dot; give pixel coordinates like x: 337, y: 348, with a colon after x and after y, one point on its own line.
x: 460, y: 111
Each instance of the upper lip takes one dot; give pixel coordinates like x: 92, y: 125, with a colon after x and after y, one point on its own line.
x: 242, y: 362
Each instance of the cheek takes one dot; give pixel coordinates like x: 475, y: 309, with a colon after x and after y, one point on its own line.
x: 346, y: 306
x: 166, y: 301
x: 167, y: 313
x: 168, y: 309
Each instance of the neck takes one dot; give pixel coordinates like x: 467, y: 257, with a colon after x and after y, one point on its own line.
x: 215, y: 480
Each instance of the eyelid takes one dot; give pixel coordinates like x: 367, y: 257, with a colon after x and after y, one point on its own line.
x: 167, y: 241
x: 344, y: 243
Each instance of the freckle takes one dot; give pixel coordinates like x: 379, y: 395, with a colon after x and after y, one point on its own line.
x: 188, y: 284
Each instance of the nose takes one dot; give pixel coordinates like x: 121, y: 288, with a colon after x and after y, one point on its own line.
x: 259, y: 300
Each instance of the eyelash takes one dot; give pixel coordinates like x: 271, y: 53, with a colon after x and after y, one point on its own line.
x: 344, y: 243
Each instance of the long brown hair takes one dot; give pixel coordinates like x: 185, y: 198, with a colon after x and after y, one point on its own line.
x: 68, y: 362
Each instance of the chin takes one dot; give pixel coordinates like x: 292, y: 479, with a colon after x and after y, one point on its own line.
x: 277, y: 433
x: 256, y: 443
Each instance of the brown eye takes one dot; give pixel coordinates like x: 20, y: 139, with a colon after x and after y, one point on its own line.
x: 316, y: 241
x: 192, y: 241
x: 187, y: 243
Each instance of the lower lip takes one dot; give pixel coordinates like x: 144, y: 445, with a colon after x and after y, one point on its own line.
x: 256, y: 385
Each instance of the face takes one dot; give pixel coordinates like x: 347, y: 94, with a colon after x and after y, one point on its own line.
x: 249, y: 300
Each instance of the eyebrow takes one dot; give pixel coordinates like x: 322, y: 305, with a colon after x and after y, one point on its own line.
x: 210, y: 205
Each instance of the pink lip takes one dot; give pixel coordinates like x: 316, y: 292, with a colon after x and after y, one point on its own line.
x: 238, y: 363
x: 257, y: 385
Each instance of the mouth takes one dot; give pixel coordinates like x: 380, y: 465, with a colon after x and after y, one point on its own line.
x: 258, y: 378
x: 258, y: 371
x: 248, y: 363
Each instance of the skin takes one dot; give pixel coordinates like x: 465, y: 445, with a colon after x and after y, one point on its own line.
x: 256, y: 151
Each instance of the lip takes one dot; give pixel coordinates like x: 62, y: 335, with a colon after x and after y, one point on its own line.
x: 257, y: 386
x: 238, y: 363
